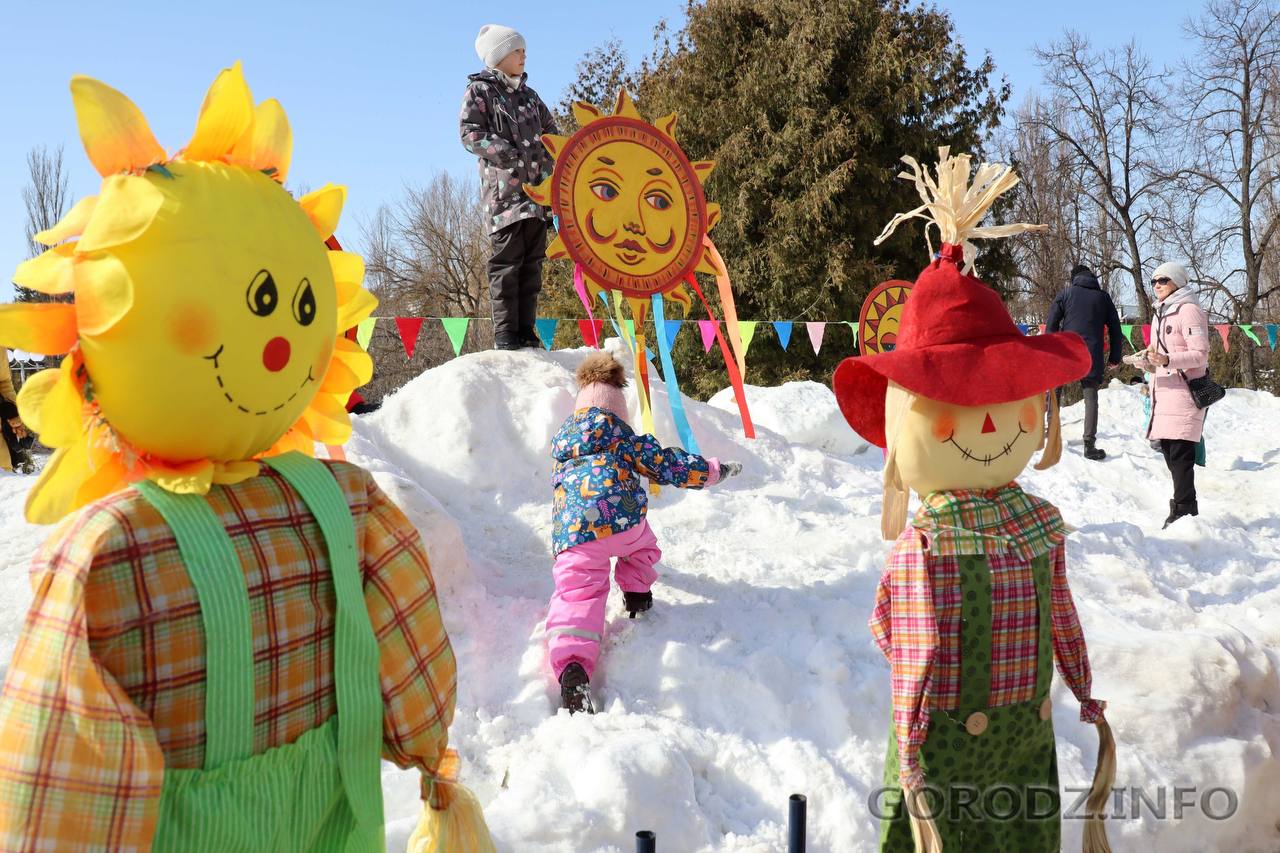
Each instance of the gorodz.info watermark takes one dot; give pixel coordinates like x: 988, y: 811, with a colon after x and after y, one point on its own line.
x: 1019, y: 802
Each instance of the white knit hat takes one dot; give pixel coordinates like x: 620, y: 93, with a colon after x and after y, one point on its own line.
x: 496, y: 42
x: 1173, y: 271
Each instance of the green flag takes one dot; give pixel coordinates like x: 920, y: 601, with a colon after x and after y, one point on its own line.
x: 456, y: 329
x: 364, y: 332
x: 1128, y: 333
x: 1247, y: 328
x: 747, y: 331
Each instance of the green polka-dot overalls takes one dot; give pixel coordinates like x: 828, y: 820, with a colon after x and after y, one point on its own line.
x: 322, y: 792
x: 997, y: 790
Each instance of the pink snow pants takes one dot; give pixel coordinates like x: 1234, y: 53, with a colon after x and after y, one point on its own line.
x: 575, y: 617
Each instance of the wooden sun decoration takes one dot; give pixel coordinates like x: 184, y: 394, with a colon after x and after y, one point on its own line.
x: 881, y: 315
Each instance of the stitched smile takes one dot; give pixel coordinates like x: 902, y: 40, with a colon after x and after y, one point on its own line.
x: 222, y: 386
x: 987, y: 460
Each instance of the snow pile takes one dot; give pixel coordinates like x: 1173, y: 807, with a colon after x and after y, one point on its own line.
x: 801, y: 412
x: 755, y: 677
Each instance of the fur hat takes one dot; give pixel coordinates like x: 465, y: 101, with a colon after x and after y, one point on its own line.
x: 600, y: 382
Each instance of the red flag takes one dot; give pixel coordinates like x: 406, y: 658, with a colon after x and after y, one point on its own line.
x: 590, y: 330
x: 409, y: 327
x: 1224, y: 330
x: 1146, y: 335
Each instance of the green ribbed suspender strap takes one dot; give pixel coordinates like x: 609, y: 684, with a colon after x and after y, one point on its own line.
x: 215, y: 572
x: 975, y: 634
x: 355, y: 648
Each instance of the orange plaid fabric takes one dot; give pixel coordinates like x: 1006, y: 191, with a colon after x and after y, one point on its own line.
x: 106, y: 687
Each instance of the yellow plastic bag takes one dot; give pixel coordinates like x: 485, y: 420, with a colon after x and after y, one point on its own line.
x: 452, y: 820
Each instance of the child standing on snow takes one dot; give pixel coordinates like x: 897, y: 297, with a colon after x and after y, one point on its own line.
x: 502, y: 123
x: 599, y: 513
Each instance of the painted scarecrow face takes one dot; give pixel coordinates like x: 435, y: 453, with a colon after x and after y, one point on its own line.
x: 944, y: 447
x: 233, y: 320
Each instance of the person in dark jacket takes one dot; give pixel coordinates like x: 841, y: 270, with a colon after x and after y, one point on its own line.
x: 502, y: 122
x: 1086, y: 309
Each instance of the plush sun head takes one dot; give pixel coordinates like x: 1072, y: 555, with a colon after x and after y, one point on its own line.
x: 631, y: 206
x: 207, y: 317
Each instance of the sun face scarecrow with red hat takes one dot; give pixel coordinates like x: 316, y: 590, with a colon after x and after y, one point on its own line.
x: 226, y: 635
x: 973, y: 607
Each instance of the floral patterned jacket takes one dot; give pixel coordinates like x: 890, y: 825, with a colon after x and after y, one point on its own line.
x: 600, y: 463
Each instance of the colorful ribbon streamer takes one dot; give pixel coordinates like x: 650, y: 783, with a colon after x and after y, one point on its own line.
x: 687, y: 439
x: 731, y: 365
x: 580, y: 287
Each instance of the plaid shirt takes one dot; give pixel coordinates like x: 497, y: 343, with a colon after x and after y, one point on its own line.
x: 916, y: 621
x: 107, y: 685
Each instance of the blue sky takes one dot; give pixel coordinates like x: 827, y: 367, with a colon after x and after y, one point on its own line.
x: 372, y: 89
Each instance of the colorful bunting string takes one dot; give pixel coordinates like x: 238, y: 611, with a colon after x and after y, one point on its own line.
x: 816, y: 331
x: 1272, y: 333
x: 364, y: 332
x: 1247, y: 328
x: 708, y: 329
x: 1223, y: 331
x: 547, y: 331
x: 409, y: 328
x: 783, y: 329
x: 456, y: 329
x: 746, y: 331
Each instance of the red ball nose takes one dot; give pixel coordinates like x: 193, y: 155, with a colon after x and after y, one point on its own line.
x: 275, y: 355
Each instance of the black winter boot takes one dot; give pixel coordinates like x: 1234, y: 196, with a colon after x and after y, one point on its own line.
x: 575, y: 689
x: 636, y: 602
x: 529, y: 338
x: 1092, y: 451
x: 1178, y: 510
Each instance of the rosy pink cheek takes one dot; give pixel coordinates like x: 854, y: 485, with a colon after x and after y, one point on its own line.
x: 1028, y: 417
x: 944, y: 426
x: 192, y: 331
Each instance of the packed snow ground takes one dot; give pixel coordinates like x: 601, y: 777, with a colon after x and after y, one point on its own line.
x: 755, y: 676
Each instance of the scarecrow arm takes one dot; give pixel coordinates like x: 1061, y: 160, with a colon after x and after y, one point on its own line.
x: 1068, y: 641
x: 479, y: 137
x: 418, y: 671
x: 912, y: 635
x: 669, y: 466
x: 83, y: 767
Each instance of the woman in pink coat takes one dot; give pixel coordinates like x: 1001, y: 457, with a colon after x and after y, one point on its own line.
x: 1179, y: 351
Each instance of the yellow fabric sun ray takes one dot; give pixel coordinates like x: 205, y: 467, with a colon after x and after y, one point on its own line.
x: 104, y: 293
x: 268, y: 143
x: 225, y: 116
x: 114, y: 133
x: 48, y: 328
x: 556, y: 250
x: 50, y: 272
x: 324, y: 208
x: 584, y: 113
x: 126, y: 207
x: 554, y: 144
x: 71, y: 225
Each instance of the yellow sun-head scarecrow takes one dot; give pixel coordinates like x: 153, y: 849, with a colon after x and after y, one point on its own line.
x: 633, y: 219
x: 205, y: 327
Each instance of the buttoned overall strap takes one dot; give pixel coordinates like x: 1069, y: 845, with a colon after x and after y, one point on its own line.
x: 975, y: 633
x: 355, y: 648
x: 215, y: 571
x: 1042, y: 572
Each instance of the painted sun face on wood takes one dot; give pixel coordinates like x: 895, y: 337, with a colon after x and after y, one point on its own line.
x: 631, y: 207
x: 881, y: 315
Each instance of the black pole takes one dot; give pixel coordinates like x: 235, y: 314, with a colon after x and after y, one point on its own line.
x: 797, y: 823
x: 646, y: 842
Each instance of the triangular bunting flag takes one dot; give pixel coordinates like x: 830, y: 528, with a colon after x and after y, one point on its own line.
x: 673, y: 332
x: 853, y: 327
x: 708, y: 329
x: 547, y: 331
x: 456, y: 329
x: 1224, y: 331
x: 747, y: 331
x: 364, y: 332
x: 783, y: 328
x: 1146, y: 335
x: 591, y: 331
x: 816, y: 331
x: 409, y: 328
x: 1272, y: 330
x: 1042, y: 328
x: 1127, y: 330
x: 1024, y: 328
x: 1247, y: 328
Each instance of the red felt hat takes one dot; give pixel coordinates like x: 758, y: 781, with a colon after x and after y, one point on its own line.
x: 956, y: 344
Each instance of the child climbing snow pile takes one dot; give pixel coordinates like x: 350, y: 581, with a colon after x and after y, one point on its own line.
x: 599, y: 513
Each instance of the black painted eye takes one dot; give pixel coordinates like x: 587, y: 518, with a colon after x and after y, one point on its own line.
x: 304, y: 304
x: 262, y: 296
